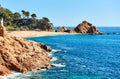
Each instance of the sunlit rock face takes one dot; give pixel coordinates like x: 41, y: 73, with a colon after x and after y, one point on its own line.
x: 21, y: 55
x: 86, y: 27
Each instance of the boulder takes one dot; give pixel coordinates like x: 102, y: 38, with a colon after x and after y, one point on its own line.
x: 86, y: 28
x: 45, y: 27
x: 71, y: 31
x: 50, y: 28
x: 21, y: 55
x: 61, y: 29
x: 47, y: 48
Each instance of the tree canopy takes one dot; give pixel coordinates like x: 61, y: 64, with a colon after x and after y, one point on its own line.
x: 33, y: 15
x: 17, y: 15
x: 18, y: 21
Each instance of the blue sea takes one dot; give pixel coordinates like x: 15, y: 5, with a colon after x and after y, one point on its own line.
x: 79, y: 56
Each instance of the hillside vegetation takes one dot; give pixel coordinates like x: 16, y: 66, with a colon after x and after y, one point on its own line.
x: 24, y: 20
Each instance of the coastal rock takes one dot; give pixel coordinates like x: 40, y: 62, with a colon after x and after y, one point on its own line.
x: 61, y: 29
x: 50, y: 28
x: 86, y: 27
x: 21, y: 55
x: 47, y: 48
x: 4, y: 71
x: 71, y: 31
x: 45, y: 27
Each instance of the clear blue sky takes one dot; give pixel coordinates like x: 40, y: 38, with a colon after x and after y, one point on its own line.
x: 70, y: 12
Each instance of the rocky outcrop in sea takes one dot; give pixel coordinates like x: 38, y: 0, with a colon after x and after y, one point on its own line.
x: 62, y: 29
x: 82, y: 28
x: 21, y: 55
x: 87, y: 28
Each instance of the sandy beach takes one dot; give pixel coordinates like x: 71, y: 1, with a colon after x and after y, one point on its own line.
x: 25, y: 34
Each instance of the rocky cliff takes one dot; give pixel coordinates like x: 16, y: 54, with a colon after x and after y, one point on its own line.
x: 86, y: 28
x: 20, y: 55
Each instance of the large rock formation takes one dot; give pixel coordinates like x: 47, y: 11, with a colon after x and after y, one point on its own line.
x: 86, y: 27
x: 20, y: 55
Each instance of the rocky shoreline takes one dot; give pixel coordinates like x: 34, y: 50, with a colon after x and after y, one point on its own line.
x: 21, y: 55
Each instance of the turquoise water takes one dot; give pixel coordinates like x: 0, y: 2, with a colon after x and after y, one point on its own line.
x: 81, y: 57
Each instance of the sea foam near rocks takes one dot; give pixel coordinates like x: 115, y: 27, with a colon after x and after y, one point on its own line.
x: 11, y: 76
x: 55, y: 50
x: 54, y: 59
x: 59, y: 65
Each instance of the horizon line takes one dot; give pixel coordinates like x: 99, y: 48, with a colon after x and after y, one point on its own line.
x: 96, y: 26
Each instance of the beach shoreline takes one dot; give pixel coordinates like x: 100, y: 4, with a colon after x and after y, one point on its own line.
x: 28, y: 34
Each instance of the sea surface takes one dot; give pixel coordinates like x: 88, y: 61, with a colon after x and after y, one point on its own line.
x: 79, y: 56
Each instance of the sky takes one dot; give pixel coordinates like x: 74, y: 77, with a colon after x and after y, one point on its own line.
x: 70, y: 12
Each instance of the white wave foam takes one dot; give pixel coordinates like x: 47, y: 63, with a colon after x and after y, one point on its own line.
x: 11, y: 75
x: 54, y: 59
x: 2, y: 77
x: 59, y: 65
x: 43, y: 69
x: 55, y: 50
x: 50, y: 54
